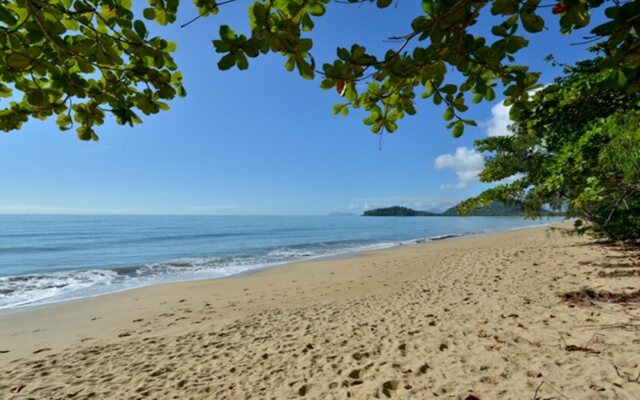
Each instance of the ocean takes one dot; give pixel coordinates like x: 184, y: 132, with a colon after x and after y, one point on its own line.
x: 53, y: 258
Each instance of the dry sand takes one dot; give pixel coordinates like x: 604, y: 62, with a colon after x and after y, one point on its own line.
x: 454, y: 319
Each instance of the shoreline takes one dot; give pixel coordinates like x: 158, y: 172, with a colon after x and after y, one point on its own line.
x: 378, y: 246
x: 445, y: 319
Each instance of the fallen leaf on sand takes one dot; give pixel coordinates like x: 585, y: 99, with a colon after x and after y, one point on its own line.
x: 17, y: 389
x: 572, y: 347
x: 42, y: 350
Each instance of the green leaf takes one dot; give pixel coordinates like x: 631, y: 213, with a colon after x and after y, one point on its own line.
x: 19, y: 61
x: 290, y: 64
x: 5, y: 91
x: 307, y: 23
x: 458, y: 129
x: 428, y: 7
x: 499, y: 30
x: 449, y: 89
x: 343, y: 54
x: 317, y: 9
x: 36, y: 98
x: 532, y: 22
x: 448, y: 114
x: 605, y: 29
x: 490, y: 94
x: 64, y: 122
x: 227, y: 61
x: 390, y: 126
x: 242, y: 62
x: 227, y: 34
x: 86, y: 133
x: 140, y: 29
x: 504, y: 7
x: 516, y: 43
x: 161, y: 17
x: 337, y: 109
x: 305, y: 69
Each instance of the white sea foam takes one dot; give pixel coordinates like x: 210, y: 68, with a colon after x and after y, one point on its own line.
x: 16, y: 291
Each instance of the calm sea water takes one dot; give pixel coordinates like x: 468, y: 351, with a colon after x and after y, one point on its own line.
x: 47, y: 258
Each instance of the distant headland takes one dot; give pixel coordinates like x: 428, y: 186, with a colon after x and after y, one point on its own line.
x: 493, y: 210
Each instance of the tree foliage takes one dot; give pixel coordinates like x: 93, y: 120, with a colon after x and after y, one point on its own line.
x: 578, y: 147
x: 82, y: 60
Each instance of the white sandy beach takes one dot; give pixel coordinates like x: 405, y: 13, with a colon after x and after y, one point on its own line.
x: 478, y: 317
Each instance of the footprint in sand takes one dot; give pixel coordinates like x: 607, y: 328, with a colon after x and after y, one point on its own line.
x: 304, y: 389
x: 389, y: 386
x: 42, y: 350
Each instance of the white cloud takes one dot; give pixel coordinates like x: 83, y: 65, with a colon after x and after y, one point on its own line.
x: 360, y: 207
x: 499, y: 123
x: 466, y: 163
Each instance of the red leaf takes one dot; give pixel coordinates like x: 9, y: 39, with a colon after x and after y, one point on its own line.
x: 559, y: 9
x: 340, y: 87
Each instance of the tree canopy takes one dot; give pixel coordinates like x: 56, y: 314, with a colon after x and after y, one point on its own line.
x: 83, y: 60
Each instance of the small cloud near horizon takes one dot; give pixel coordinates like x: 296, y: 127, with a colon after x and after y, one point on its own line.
x: 40, y: 209
x: 224, y: 207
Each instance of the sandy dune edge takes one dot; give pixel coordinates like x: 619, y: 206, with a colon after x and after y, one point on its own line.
x: 477, y: 316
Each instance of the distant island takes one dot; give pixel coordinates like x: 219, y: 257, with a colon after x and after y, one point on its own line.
x: 493, y: 210
x: 397, y: 211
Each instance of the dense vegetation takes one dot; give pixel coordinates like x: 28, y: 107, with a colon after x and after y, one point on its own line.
x: 83, y: 60
x: 578, y: 149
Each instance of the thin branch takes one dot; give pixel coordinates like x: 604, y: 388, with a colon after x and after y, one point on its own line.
x: 535, y: 394
x: 194, y: 19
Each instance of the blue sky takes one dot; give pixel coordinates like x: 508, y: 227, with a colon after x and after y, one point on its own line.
x: 261, y: 141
